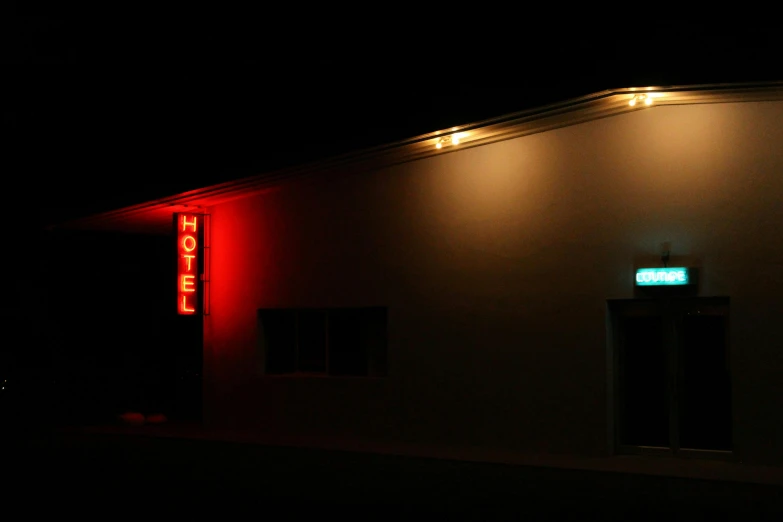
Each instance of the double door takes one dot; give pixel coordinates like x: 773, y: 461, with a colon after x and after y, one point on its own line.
x: 672, y: 384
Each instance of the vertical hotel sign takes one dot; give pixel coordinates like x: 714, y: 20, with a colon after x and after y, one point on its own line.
x: 190, y: 260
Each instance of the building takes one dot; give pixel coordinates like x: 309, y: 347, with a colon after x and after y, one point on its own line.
x: 595, y: 277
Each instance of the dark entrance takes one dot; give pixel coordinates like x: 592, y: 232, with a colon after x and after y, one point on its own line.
x: 672, y: 388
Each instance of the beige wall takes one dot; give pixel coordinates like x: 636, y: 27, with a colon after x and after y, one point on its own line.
x: 496, y: 263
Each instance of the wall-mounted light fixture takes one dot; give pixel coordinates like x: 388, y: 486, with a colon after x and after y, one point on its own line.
x: 641, y: 98
x: 452, y: 139
x: 646, y: 98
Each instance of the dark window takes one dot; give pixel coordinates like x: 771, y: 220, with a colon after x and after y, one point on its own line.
x: 347, y: 351
x: 278, y: 331
x: 339, y: 341
x: 311, y: 328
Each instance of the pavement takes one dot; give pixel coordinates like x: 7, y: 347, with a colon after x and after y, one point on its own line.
x: 122, y: 473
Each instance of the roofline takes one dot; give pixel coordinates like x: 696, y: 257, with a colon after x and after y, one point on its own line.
x: 569, y: 112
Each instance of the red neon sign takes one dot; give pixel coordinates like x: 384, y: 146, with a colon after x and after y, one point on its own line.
x: 189, y: 236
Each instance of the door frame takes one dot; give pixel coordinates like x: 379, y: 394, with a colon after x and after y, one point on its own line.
x: 671, y: 309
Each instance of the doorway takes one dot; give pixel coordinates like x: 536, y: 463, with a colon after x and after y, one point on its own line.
x: 671, y: 385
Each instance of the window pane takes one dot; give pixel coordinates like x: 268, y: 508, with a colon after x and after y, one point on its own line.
x: 278, y: 330
x: 374, y: 338
x: 347, y: 351
x: 312, y: 341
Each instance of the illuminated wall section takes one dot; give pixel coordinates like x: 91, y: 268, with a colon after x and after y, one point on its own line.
x: 495, y: 263
x: 190, y: 263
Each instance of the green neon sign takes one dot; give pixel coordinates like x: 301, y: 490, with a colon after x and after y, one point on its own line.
x: 662, y: 276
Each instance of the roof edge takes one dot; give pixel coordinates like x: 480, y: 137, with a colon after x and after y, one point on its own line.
x: 568, y: 112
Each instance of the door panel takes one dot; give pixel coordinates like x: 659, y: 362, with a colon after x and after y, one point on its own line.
x: 704, y: 391
x: 644, y: 403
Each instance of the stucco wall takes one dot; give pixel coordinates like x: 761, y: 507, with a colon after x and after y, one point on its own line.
x: 496, y: 263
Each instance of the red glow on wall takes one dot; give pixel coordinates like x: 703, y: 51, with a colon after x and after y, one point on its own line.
x: 189, y: 236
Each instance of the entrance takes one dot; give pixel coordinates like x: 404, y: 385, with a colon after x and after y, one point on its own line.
x: 671, y: 383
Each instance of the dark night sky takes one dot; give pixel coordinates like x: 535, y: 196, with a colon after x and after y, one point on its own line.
x: 109, y: 114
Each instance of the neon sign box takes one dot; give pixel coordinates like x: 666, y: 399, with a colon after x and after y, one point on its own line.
x: 674, y: 276
x: 189, y: 247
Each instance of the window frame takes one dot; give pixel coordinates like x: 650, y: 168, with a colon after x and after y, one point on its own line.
x: 376, y: 358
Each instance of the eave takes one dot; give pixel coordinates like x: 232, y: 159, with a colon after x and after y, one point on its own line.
x: 155, y: 216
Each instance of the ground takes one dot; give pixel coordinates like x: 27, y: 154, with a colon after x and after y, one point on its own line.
x: 139, y: 474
